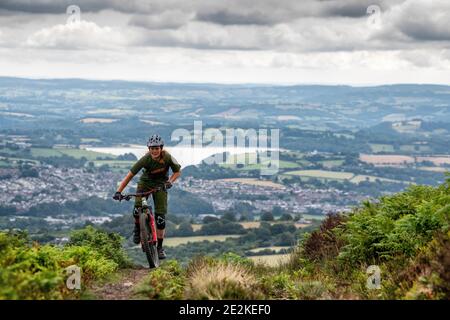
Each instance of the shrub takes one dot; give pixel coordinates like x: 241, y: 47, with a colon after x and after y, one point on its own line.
x: 278, y: 286
x: 397, y: 226
x: 108, y: 244
x: 309, y: 290
x: 32, y: 271
x: 165, y: 283
x: 28, y: 272
x: 324, y: 243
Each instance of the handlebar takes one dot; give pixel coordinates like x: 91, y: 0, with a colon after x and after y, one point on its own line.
x: 128, y: 196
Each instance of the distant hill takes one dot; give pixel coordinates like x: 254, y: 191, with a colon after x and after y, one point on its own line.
x: 64, y: 102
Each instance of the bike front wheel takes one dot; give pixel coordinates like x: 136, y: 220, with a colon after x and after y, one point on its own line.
x: 148, y: 245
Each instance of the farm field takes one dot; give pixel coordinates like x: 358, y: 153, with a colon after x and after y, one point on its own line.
x: 272, y: 260
x: 253, y: 181
x: 332, y: 163
x: 4, y: 164
x: 196, y: 226
x: 274, y: 248
x: 114, y: 163
x: 393, y: 159
x: 336, y: 175
x: 376, y: 148
x: 361, y: 178
x: 250, y: 224
x: 322, y: 174
x: 87, y: 140
x: 314, y: 217
x: 12, y: 159
x: 76, y: 153
x: 439, y: 160
x: 386, y: 159
x: 435, y: 169
x: 176, y: 241
x: 414, y: 148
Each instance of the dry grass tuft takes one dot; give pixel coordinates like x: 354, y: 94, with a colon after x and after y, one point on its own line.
x: 220, y: 281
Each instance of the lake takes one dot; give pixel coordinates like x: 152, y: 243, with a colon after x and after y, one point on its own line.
x: 186, y: 156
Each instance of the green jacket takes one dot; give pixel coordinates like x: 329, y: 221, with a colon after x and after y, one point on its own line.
x: 155, y: 172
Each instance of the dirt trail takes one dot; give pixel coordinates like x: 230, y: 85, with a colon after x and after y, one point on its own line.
x: 121, y: 288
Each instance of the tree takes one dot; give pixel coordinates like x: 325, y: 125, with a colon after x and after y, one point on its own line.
x: 267, y: 216
x: 286, y: 217
x: 277, y: 211
x: 209, y: 219
x: 286, y: 239
x: 127, y: 156
x: 244, y: 217
x: 185, y: 230
x: 230, y: 216
x: 104, y: 168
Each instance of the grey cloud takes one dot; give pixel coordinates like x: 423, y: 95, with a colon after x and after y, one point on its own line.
x: 278, y: 25
x: 166, y: 20
x: 60, y: 6
x: 220, y: 12
x: 350, y: 9
x: 224, y: 17
x: 422, y: 26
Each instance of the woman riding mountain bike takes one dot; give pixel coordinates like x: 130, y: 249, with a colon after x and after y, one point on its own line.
x: 156, y: 163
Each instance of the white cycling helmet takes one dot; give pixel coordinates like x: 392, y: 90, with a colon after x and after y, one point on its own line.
x: 155, y: 141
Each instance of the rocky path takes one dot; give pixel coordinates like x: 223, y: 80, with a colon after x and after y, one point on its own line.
x: 122, y: 288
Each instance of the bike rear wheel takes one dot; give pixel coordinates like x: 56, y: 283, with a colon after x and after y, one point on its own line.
x: 148, y: 246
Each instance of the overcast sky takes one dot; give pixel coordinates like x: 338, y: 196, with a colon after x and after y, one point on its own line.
x: 229, y: 41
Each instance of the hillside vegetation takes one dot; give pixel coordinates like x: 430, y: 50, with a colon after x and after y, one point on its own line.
x: 32, y: 271
x: 406, y: 235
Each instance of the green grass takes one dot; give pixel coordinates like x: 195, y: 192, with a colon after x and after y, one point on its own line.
x: 332, y: 163
x: 313, y: 217
x: 288, y: 164
x: 176, y: 241
x: 303, y: 162
x: 376, y: 147
x: 114, y: 163
x: 79, y: 153
x: 360, y: 178
x: 45, y: 152
x: 412, y: 148
x: 4, y: 164
x: 12, y: 162
x: 257, y: 166
x: 75, y: 153
x: 8, y: 151
x: 322, y: 174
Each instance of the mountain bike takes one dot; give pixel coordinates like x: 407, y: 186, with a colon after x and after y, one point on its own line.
x: 147, y: 226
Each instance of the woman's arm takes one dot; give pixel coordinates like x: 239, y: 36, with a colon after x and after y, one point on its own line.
x: 125, y: 181
x: 174, y: 176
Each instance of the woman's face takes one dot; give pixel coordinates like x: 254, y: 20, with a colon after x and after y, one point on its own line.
x: 155, y: 152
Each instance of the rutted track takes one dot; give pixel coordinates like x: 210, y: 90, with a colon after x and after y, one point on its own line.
x: 122, y: 288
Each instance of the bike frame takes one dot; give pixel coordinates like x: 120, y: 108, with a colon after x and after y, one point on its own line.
x: 146, y: 216
x: 145, y: 207
x: 151, y: 218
